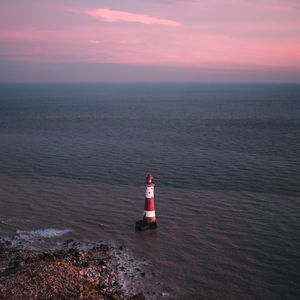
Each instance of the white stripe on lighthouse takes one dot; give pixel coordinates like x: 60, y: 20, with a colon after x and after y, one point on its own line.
x: 149, y: 213
x: 149, y: 192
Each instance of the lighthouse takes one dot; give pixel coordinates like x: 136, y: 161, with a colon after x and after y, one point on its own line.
x: 149, y: 218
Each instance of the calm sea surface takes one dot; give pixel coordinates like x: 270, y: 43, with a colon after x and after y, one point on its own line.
x: 226, y: 163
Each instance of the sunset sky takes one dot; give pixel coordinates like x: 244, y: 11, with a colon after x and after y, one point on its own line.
x: 150, y: 40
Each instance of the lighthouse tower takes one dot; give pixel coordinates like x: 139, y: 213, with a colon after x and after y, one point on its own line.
x: 149, y: 218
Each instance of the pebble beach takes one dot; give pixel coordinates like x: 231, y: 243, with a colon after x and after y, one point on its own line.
x: 69, y: 270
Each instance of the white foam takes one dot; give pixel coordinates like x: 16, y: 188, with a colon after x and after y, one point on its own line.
x: 134, y: 275
x: 42, y: 233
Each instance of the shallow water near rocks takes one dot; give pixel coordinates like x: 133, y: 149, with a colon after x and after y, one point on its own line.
x: 225, y: 160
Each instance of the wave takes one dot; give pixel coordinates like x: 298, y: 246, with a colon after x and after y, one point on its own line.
x: 42, y: 233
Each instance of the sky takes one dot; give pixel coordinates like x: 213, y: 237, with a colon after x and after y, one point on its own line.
x: 150, y: 41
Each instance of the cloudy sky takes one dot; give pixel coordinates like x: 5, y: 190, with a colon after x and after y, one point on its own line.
x: 150, y: 40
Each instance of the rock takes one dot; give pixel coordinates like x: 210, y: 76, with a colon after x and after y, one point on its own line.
x: 139, y: 296
x: 47, y: 257
x: 85, y: 264
x: 67, y: 242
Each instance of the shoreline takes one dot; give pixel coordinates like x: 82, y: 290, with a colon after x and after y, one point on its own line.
x: 70, y: 270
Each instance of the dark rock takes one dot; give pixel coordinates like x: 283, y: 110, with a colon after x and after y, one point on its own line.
x: 47, y: 257
x: 122, y: 268
x: 85, y: 264
x: 67, y: 242
x: 59, y: 254
x: 139, y: 296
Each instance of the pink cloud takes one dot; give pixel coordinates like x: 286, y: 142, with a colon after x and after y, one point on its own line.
x: 150, y: 46
x: 213, y: 36
x: 109, y: 15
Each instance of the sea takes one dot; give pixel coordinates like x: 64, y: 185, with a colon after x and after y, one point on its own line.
x: 226, y: 165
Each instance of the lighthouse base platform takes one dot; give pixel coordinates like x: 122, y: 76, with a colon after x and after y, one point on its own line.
x: 144, y: 225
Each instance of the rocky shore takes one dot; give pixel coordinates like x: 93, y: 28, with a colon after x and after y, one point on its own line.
x: 70, y: 270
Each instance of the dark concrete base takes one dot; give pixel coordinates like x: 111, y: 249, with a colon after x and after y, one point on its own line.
x: 143, y: 225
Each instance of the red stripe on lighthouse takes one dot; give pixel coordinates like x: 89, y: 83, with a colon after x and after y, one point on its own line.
x: 149, y: 204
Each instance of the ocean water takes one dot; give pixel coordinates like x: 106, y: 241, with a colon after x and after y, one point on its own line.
x: 225, y: 161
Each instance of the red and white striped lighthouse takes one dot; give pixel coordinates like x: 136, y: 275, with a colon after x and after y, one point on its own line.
x: 149, y: 218
x: 149, y: 212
